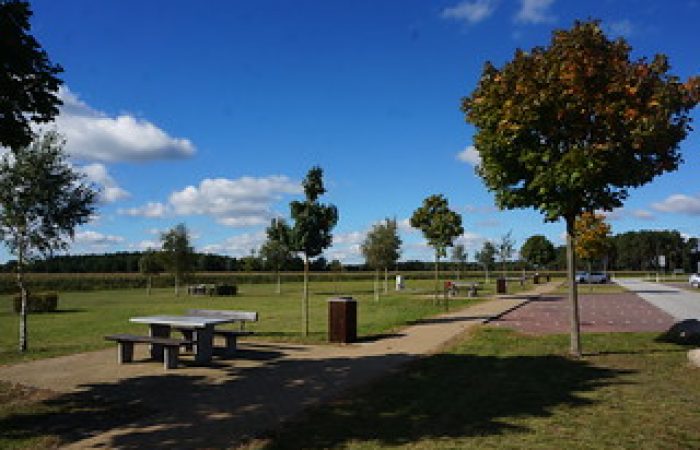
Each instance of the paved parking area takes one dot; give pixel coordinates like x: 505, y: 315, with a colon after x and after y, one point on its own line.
x: 622, y: 312
x: 680, y: 303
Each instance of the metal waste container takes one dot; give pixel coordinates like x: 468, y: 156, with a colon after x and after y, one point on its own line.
x: 501, y: 286
x: 342, y: 320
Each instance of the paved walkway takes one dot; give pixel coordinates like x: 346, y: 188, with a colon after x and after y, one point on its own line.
x: 679, y: 303
x: 215, y: 407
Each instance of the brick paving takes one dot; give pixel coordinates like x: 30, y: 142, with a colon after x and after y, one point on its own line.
x: 623, y: 312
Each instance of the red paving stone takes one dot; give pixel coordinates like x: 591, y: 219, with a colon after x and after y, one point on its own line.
x: 624, y: 312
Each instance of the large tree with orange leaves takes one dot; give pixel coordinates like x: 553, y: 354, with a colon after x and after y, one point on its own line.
x: 572, y: 127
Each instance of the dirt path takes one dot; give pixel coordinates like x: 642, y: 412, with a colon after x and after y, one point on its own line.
x: 218, y: 406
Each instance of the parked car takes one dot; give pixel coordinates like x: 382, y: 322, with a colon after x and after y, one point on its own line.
x: 694, y: 280
x: 593, y: 277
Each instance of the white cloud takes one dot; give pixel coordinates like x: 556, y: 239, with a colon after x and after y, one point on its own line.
x: 643, y: 214
x: 349, y: 238
x: 535, y: 12
x: 679, y: 203
x: 150, y: 210
x: 242, y: 202
x: 111, y: 191
x: 95, y: 239
x: 623, y: 28
x: 470, y: 156
x: 473, y: 11
x: 94, y: 136
x: 239, y: 245
x: 146, y: 245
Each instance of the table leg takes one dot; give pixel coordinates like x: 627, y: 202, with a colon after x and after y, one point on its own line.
x: 204, y: 343
x: 158, y: 331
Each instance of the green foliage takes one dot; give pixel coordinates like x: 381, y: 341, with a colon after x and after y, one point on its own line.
x: 459, y: 254
x: 150, y: 263
x: 313, y: 221
x: 42, y: 199
x: 439, y: 224
x: 571, y: 127
x: 382, y: 245
x: 276, y: 250
x: 506, y: 248
x: 538, y: 251
x: 37, y: 302
x: 177, y: 254
x: 28, y: 80
x: 487, y: 255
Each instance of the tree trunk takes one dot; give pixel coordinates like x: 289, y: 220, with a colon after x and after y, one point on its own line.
x: 386, y: 281
x: 376, y: 285
x: 575, y: 349
x: 305, y: 299
x: 437, y: 276
x: 148, y: 285
x: 177, y: 286
x: 279, y: 283
x: 23, y: 302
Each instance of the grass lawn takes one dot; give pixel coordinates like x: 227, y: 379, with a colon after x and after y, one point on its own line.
x: 591, y: 289
x: 85, y: 317
x: 500, y: 389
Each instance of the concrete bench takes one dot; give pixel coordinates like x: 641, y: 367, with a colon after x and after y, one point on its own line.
x: 230, y: 339
x: 472, y: 288
x: 125, y: 347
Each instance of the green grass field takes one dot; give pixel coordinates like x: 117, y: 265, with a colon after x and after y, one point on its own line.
x: 504, y: 390
x: 84, y: 318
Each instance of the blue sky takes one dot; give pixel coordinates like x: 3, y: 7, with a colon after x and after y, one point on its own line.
x: 211, y: 113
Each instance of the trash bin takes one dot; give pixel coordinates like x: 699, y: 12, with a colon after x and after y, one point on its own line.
x: 501, y: 286
x: 536, y: 278
x: 342, y: 320
x: 399, y: 282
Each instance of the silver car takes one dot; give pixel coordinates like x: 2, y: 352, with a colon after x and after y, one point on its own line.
x: 694, y: 280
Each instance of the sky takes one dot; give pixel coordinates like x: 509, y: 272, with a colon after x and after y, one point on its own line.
x: 211, y: 113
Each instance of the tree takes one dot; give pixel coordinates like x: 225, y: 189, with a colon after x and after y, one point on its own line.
x: 459, y: 256
x: 311, y: 233
x: 506, y: 248
x: 440, y: 226
x: 538, y: 251
x: 381, y: 249
x: 28, y: 80
x: 592, y: 237
x: 178, y: 254
x: 275, y: 251
x: 42, y: 201
x: 149, y: 266
x: 486, y: 257
x: 572, y: 127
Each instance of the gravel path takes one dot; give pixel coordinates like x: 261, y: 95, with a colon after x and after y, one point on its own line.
x: 679, y: 303
x: 235, y: 399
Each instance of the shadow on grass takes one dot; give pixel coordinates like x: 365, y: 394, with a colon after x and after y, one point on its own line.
x: 446, y: 395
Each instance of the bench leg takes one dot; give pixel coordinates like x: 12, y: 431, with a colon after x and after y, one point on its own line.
x: 188, y: 335
x: 171, y: 356
x: 125, y: 352
x: 230, y: 346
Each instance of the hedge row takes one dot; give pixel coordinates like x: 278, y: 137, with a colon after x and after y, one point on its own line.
x: 100, y: 281
x: 37, y: 302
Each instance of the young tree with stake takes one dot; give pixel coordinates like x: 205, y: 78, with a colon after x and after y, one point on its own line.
x: 571, y: 127
x: 177, y: 254
x: 275, y: 251
x: 381, y: 249
x: 311, y: 233
x: 440, y: 226
x: 42, y: 200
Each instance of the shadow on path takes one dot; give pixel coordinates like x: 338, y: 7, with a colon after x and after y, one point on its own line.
x: 444, y: 395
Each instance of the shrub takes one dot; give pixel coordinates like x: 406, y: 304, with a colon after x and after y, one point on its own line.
x: 39, y: 302
x: 224, y: 289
